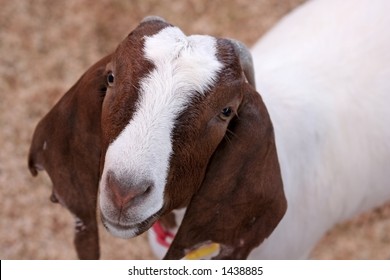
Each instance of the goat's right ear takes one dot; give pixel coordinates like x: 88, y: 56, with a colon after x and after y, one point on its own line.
x: 66, y: 143
x: 241, y: 199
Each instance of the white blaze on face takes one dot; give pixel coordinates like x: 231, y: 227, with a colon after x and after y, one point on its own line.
x: 183, y: 66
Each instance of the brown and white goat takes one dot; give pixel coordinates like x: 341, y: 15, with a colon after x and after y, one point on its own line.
x: 182, y: 126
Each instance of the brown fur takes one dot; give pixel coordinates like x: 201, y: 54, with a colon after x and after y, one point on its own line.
x: 241, y: 199
x: 71, y: 131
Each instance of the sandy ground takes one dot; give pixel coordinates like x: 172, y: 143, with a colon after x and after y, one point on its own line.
x: 44, y: 47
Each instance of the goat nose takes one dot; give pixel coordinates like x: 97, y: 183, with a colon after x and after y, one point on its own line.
x: 125, y: 192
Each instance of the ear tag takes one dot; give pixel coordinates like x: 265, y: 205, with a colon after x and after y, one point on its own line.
x: 206, y: 251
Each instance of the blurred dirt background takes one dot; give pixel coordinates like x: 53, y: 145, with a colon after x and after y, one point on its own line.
x: 45, y: 46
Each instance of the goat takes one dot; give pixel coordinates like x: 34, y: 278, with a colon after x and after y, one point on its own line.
x: 183, y: 127
x: 66, y: 143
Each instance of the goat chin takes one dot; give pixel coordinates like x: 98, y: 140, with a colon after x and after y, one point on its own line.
x: 323, y: 73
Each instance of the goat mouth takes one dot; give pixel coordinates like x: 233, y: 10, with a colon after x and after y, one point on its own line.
x: 128, y: 231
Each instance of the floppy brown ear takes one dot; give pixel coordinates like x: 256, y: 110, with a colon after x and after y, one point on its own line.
x: 66, y: 143
x: 241, y: 199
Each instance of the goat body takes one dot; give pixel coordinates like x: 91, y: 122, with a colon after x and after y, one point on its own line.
x: 324, y: 75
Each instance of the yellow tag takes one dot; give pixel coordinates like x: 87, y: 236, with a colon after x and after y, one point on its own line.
x: 204, y: 251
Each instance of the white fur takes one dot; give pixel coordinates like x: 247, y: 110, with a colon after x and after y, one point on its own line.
x: 184, y: 66
x: 324, y: 75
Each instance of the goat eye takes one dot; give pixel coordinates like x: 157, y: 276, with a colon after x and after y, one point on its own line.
x: 110, y: 79
x: 226, y: 112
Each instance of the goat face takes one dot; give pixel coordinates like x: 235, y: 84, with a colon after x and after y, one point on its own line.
x: 161, y: 122
x: 170, y: 104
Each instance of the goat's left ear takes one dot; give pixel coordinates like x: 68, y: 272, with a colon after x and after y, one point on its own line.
x: 241, y: 199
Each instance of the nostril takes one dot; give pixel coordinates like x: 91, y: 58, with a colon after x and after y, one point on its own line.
x: 148, y: 190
